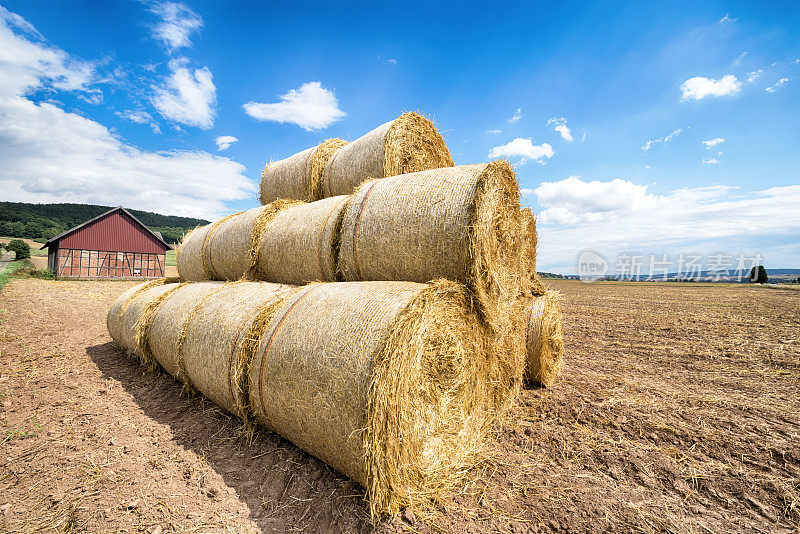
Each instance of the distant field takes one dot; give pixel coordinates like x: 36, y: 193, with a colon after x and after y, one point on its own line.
x: 35, y: 246
x: 171, y: 257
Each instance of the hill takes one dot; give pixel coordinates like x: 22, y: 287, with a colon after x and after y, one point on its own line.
x: 43, y: 221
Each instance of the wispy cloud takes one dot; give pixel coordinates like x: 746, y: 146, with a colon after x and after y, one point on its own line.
x: 662, y: 140
x: 727, y: 18
x: 188, y: 96
x: 19, y: 22
x: 494, y: 132
x: 777, y: 85
x: 311, y: 106
x: 714, y: 142
x: 392, y: 60
x: 712, y: 161
x: 517, y: 116
x: 701, y: 87
x: 754, y: 75
x: 178, y: 23
x: 224, y: 142
x: 523, y: 148
x: 559, y: 124
x: 139, y: 117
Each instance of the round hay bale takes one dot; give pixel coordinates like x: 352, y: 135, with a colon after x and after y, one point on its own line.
x: 460, y: 223
x: 113, y: 318
x: 163, y: 334
x: 299, y: 176
x: 409, y: 143
x: 226, y: 249
x: 544, y: 342
x: 203, y: 333
x: 199, y: 335
x: 300, y: 244
x: 530, y: 240
x: 123, y: 316
x: 384, y: 381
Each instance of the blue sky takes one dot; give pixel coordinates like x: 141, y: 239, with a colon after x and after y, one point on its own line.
x: 650, y: 128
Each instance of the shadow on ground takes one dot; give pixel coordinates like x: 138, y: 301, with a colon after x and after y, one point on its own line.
x: 284, y: 488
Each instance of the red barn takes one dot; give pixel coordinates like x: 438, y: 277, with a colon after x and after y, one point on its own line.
x: 112, y: 245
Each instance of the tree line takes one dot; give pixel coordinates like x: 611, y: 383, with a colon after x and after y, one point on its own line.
x: 45, y: 221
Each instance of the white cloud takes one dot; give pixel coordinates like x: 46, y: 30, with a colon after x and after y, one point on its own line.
x: 754, y: 75
x: 393, y: 61
x: 311, y: 107
x: 224, y: 142
x: 777, y: 85
x: 700, y: 87
x: 51, y: 155
x: 187, y: 97
x: 727, y: 18
x: 526, y: 192
x: 712, y: 161
x: 178, y: 23
x: 517, y: 116
x: 27, y: 66
x: 494, y: 132
x: 19, y: 22
x: 738, y: 60
x: 621, y: 216
x: 713, y: 142
x: 663, y: 140
x: 559, y: 124
x: 796, y: 61
x: 139, y: 117
x: 523, y: 148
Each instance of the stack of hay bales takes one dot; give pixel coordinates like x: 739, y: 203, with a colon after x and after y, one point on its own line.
x: 381, y: 310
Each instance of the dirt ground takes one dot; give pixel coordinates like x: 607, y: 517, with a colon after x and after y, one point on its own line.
x: 678, y: 411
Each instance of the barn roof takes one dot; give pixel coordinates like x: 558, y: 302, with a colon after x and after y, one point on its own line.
x: 62, y: 235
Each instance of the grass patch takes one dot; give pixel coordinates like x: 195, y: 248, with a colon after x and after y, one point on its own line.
x: 171, y: 259
x: 22, y: 269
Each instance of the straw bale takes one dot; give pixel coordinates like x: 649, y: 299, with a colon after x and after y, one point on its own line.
x: 299, y: 176
x: 300, y: 244
x: 209, y: 323
x: 200, y: 333
x: 407, y: 144
x: 384, y: 381
x: 544, y: 343
x: 530, y: 241
x: 124, y: 314
x: 460, y: 223
x: 228, y: 248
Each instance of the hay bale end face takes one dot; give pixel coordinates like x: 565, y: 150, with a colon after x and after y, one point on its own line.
x: 544, y: 342
x: 384, y: 381
x: 407, y: 144
x: 301, y: 243
x: 299, y: 176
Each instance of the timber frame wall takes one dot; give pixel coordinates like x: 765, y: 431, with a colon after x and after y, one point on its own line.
x: 78, y: 263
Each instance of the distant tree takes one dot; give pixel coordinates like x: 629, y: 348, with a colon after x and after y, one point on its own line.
x: 758, y: 275
x: 20, y: 248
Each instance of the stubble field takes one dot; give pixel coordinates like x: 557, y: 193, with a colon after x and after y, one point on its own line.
x: 678, y: 411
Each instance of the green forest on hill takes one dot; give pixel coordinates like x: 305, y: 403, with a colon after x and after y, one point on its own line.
x: 43, y: 221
